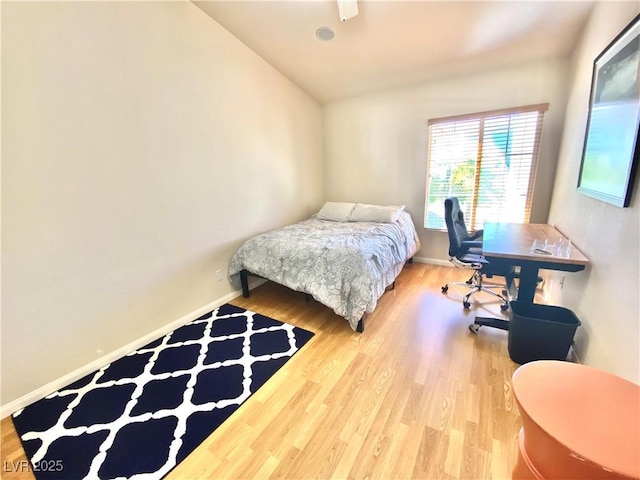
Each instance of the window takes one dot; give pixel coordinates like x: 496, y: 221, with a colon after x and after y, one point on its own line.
x: 488, y: 160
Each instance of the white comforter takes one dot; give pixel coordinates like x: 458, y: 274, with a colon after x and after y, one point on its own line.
x: 344, y: 265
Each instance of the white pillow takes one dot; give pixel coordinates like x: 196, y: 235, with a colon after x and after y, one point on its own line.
x: 375, y: 213
x: 336, y: 211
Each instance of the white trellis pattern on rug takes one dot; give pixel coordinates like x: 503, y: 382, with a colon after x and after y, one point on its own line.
x: 140, y: 416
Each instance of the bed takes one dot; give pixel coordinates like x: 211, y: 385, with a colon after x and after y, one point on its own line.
x: 345, y: 256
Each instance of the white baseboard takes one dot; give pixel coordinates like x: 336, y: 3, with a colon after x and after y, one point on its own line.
x: 433, y: 261
x: 49, y: 388
x: 573, y: 355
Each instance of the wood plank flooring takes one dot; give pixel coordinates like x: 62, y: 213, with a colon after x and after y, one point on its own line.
x: 415, y: 396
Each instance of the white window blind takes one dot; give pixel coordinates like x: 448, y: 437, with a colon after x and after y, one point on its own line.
x: 488, y: 160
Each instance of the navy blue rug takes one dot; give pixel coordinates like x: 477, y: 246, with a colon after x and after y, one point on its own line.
x: 144, y: 413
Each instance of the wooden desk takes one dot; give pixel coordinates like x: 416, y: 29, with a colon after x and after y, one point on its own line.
x: 510, y: 243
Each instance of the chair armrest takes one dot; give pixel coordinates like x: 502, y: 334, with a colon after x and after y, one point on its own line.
x: 476, y: 235
x: 471, y: 244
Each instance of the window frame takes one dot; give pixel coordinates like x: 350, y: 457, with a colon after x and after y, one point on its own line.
x: 481, y: 117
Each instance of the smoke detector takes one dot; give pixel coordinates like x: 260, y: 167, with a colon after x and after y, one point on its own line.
x: 325, y: 34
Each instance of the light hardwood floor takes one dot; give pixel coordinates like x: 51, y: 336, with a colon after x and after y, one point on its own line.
x: 415, y: 396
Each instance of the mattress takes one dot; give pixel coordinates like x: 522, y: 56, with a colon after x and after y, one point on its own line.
x: 344, y: 265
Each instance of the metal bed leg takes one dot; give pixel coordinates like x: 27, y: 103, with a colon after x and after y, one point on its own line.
x: 245, y: 283
x: 360, y: 327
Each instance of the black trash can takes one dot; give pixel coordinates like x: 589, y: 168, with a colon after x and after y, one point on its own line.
x: 540, y: 332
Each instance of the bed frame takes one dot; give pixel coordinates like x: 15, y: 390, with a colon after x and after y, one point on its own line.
x: 244, y: 282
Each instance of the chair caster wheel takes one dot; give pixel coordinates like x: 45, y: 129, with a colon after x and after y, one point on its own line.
x: 473, y: 328
x: 445, y: 289
x: 504, y: 307
x: 466, y: 305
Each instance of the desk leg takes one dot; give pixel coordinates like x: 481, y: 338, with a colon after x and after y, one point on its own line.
x: 499, y: 323
x: 528, y: 283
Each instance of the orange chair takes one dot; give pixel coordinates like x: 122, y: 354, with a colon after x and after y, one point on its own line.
x: 578, y: 423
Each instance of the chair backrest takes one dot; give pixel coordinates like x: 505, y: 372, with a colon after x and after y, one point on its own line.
x: 456, y: 228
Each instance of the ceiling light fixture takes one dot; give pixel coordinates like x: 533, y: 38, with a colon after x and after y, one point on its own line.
x: 347, y: 9
x: 324, y: 34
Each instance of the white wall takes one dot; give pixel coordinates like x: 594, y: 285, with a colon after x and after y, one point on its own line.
x: 605, y: 297
x: 141, y: 144
x: 376, y: 145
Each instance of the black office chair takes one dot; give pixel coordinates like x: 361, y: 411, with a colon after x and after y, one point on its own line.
x: 465, y: 252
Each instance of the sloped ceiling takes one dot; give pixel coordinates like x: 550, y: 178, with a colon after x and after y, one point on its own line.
x: 396, y: 43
